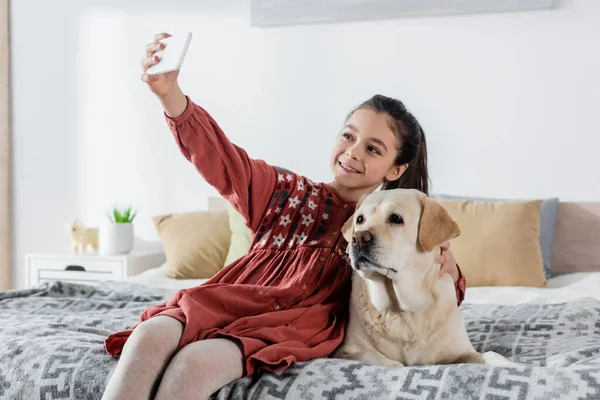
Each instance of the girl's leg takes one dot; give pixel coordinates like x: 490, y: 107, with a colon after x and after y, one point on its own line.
x: 144, y: 358
x: 200, y: 369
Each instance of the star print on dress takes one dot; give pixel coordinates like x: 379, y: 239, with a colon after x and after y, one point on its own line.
x: 278, y: 240
x: 313, y: 242
x: 277, y: 210
x: 294, y: 201
x: 291, y: 242
x: 300, y: 185
x: 301, y: 238
x: 280, y: 177
x: 269, y: 211
x: 289, y: 177
x: 315, y: 192
x: 307, y: 219
x: 285, y: 220
x: 312, y: 205
x: 325, y: 216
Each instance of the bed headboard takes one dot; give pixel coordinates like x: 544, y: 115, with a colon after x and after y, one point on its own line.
x: 576, y: 238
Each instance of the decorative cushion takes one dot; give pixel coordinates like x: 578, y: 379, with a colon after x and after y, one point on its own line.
x: 499, y: 242
x: 195, y: 243
x: 549, y: 215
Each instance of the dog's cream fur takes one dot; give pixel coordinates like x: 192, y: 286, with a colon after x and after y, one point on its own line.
x: 401, y: 312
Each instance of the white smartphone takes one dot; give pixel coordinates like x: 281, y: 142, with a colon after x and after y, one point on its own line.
x: 172, y: 55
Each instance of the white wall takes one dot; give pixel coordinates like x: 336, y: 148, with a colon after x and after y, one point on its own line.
x: 508, y: 101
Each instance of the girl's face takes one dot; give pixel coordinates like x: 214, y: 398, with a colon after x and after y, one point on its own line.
x: 364, y: 153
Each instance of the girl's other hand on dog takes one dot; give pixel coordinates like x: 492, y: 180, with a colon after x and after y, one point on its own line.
x: 448, y: 262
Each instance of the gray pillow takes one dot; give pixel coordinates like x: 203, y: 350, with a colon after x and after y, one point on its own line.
x: 548, y: 215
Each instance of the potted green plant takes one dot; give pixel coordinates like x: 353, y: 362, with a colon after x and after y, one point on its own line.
x: 116, y: 234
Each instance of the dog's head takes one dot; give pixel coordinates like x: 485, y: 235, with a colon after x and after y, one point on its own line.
x: 392, y: 230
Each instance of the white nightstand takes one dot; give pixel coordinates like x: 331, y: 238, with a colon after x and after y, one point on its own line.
x: 90, y: 269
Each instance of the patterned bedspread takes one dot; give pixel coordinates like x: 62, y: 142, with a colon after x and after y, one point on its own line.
x: 51, y: 347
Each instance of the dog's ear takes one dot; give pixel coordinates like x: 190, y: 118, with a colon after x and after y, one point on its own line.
x: 436, y: 226
x: 348, y: 229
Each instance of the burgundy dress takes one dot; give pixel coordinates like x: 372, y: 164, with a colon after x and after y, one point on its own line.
x: 286, y: 300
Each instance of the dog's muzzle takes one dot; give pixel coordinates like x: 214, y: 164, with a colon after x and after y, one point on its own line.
x: 362, y: 243
x: 364, y: 253
x: 362, y: 239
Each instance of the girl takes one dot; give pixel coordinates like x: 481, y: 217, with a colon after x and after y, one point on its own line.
x: 286, y: 300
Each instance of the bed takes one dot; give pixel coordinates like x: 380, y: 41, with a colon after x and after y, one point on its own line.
x: 51, y: 337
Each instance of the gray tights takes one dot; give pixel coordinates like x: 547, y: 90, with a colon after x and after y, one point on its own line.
x: 149, y: 368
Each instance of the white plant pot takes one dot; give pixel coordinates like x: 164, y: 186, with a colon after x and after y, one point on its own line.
x: 115, y: 238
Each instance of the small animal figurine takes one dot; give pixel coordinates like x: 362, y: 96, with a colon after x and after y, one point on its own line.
x: 82, y: 237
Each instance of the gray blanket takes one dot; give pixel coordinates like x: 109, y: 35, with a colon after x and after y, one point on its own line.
x: 51, y: 347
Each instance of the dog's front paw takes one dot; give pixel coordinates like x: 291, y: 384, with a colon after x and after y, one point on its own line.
x: 492, y: 358
x: 393, y: 364
x: 381, y: 360
x: 370, y: 357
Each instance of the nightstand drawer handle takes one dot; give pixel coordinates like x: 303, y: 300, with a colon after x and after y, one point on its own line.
x: 74, y: 268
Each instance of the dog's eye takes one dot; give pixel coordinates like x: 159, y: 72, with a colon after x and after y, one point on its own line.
x: 396, y: 219
x: 360, y: 219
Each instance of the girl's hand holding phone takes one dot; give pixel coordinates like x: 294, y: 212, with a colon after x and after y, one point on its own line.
x: 164, y: 85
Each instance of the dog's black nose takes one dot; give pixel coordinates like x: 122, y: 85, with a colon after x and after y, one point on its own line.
x: 361, y: 238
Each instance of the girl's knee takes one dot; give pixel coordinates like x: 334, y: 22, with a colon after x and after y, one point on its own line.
x: 210, y: 361
x: 204, y: 367
x: 193, y: 362
x: 157, y: 333
x: 208, y: 353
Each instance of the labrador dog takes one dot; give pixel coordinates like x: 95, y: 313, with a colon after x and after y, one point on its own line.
x: 401, y: 312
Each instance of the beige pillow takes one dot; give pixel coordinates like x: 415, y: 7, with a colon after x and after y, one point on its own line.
x: 499, y: 242
x: 195, y: 243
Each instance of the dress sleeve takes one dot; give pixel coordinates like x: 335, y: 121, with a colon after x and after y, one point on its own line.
x: 461, y: 286
x: 245, y: 182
